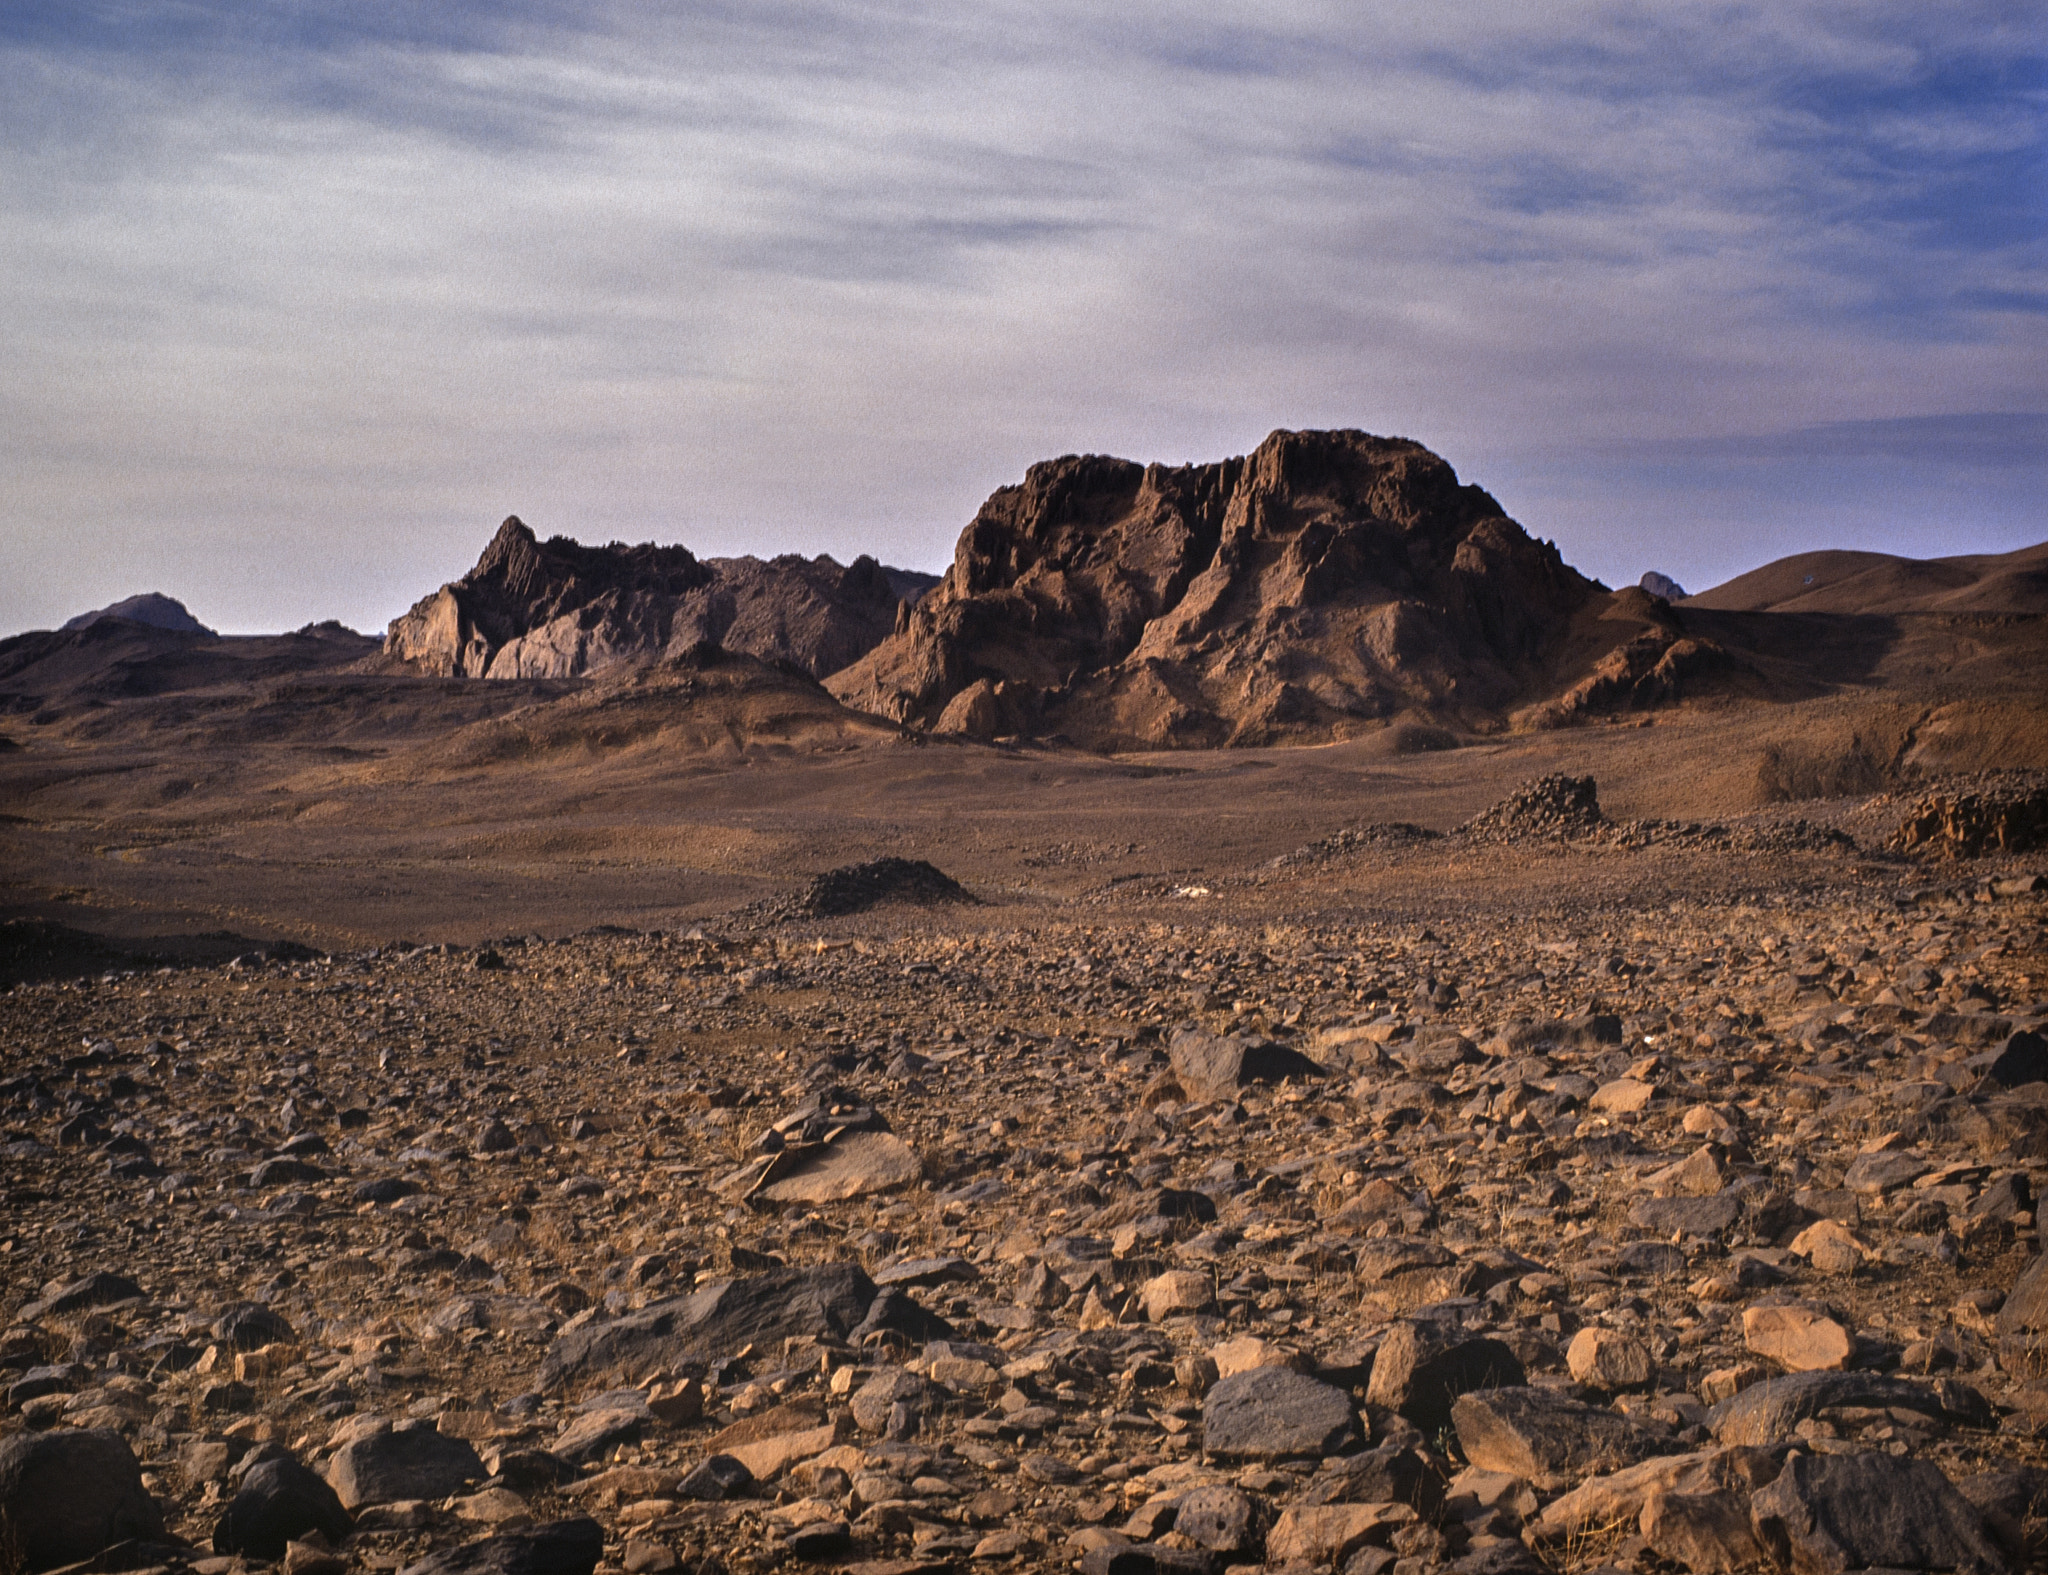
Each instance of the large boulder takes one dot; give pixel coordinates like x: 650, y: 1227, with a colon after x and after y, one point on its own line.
x: 1768, y: 1413
x: 1213, y: 1066
x: 562, y: 1547
x: 411, y: 1460
x: 1548, y: 1437
x: 1423, y: 1365
x: 280, y: 1501
x: 69, y: 1494
x: 809, y: 1299
x: 1828, y: 1513
x: 1274, y: 1413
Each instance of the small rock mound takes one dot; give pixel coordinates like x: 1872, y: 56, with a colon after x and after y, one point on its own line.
x: 855, y: 888
x: 1971, y: 825
x: 1356, y: 839
x: 1553, y: 808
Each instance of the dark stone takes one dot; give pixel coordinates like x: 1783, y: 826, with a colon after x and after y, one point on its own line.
x: 249, y: 1326
x: 562, y: 1547
x: 280, y: 1501
x: 527, y: 1471
x: 2023, y: 1058
x: 719, y: 1477
x: 1422, y: 1365
x: 824, y: 1299
x: 284, y: 1172
x: 597, y: 1433
x: 408, y: 1461
x: 1499, y: 1558
x: 1147, y: 1558
x: 60, y: 1379
x: 821, y: 1539
x: 384, y: 1189
x: 893, y: 1312
x: 1174, y: 1203
x: 1547, y: 1436
x: 1209, y: 1066
x: 1275, y: 1413
x: 1390, y: 1474
x: 1765, y: 1414
x: 69, y: 1494
x: 1653, y: 1258
x: 1886, y: 1172
x: 98, y: 1289
x: 1216, y: 1517
x: 1827, y: 1513
x: 1693, y: 1216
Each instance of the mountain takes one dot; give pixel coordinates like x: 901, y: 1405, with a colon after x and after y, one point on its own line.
x: 559, y: 609
x: 152, y: 608
x: 1878, y: 583
x: 1314, y: 588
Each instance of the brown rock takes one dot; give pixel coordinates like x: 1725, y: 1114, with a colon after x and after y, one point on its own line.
x: 1608, y: 1359
x: 1799, y: 1339
x: 1322, y: 1534
x: 1708, y: 1533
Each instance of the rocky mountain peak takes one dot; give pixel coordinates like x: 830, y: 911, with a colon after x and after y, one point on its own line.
x: 1316, y: 586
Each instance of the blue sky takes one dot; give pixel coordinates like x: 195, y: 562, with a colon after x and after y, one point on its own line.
x: 300, y: 301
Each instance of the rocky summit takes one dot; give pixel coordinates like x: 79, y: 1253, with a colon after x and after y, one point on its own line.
x: 1326, y: 579
x: 558, y: 609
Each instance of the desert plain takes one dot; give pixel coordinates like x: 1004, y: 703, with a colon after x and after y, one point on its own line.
x: 1467, y: 1091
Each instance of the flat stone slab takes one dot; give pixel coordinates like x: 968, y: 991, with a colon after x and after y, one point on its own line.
x: 1274, y: 1413
x: 1766, y: 1413
x: 1548, y: 1437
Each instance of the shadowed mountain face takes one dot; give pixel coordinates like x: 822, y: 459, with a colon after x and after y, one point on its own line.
x: 1310, y: 589
x: 558, y: 609
x: 152, y: 608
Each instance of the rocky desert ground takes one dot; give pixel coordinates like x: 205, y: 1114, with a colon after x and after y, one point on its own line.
x: 647, y: 1116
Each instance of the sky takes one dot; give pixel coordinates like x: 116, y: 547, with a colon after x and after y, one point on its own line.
x: 299, y: 301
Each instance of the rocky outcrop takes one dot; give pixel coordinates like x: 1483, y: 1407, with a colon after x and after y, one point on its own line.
x: 2007, y: 818
x: 1312, y: 589
x: 559, y: 609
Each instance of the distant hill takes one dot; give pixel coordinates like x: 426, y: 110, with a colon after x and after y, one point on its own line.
x: 1878, y: 583
x: 151, y: 608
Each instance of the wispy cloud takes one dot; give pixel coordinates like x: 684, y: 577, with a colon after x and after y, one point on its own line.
x: 299, y: 300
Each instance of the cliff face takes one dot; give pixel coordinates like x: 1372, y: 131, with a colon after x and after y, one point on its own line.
x: 558, y: 609
x: 1308, y: 590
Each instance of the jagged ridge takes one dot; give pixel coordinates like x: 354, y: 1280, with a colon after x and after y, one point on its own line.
x: 559, y: 609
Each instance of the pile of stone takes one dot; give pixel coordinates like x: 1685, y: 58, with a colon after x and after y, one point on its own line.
x: 2008, y: 818
x: 1553, y: 808
x: 855, y: 888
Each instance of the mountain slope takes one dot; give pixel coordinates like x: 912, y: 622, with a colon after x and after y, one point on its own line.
x: 1879, y: 583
